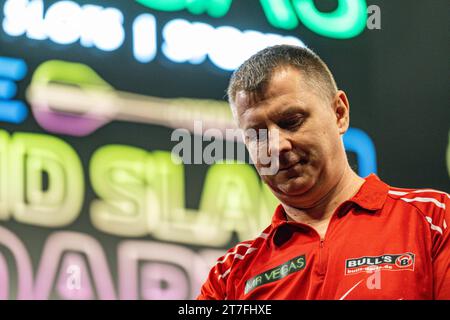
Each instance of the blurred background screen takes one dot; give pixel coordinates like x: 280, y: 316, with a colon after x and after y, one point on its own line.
x: 92, y: 206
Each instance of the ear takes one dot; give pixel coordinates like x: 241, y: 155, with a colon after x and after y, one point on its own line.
x: 342, y: 111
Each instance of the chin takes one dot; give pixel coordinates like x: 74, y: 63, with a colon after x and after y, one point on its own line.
x: 293, y: 186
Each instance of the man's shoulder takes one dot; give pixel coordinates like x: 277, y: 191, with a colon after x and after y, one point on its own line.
x: 430, y: 197
x: 216, y: 286
x: 239, y: 253
x: 433, y: 205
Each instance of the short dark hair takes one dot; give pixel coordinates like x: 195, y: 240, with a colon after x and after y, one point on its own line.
x: 255, y: 73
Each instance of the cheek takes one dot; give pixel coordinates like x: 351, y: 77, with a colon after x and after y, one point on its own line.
x: 317, y: 145
x: 258, y: 152
x: 252, y: 151
x: 328, y: 149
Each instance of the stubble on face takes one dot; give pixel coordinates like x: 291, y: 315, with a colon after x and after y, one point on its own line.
x: 306, y: 149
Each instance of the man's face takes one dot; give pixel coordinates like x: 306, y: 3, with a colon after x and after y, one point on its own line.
x: 309, y: 127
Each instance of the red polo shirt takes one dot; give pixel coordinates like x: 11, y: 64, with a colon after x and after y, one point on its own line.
x: 384, y: 243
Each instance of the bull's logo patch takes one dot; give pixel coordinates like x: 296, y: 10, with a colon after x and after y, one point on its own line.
x: 389, y: 262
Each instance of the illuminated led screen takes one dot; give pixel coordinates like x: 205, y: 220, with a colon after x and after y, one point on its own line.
x: 92, y: 203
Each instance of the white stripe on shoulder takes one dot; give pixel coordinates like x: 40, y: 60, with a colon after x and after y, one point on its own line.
x: 238, y: 256
x: 263, y: 235
x: 250, y: 250
x: 397, y: 193
x: 432, y: 190
x: 223, y: 275
x: 234, y: 251
x: 248, y: 245
x: 402, y: 193
x: 421, y: 199
x: 433, y: 227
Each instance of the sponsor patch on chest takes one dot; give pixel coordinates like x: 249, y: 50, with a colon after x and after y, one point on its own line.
x: 276, y: 273
x: 389, y: 262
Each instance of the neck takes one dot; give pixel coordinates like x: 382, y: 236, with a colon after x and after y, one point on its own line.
x: 322, y: 210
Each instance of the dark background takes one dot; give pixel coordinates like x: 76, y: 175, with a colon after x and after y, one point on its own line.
x: 396, y: 79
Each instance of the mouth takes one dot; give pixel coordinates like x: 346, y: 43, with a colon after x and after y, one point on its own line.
x: 302, y: 162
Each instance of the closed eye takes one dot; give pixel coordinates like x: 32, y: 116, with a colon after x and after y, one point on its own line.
x: 291, y: 123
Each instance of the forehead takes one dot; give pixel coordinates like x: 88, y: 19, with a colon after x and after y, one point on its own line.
x: 287, y: 87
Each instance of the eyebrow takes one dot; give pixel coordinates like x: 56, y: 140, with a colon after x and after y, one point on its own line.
x: 289, y: 111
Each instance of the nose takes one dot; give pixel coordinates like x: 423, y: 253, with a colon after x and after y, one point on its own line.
x: 279, y: 142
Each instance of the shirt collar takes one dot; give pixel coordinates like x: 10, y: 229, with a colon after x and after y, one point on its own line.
x: 371, y: 197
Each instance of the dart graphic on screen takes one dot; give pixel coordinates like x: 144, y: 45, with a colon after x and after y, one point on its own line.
x: 71, y: 98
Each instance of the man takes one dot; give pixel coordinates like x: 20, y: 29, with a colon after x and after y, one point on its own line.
x: 335, y: 235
